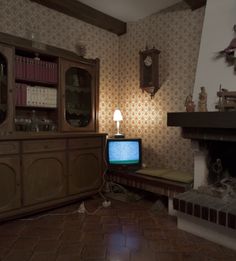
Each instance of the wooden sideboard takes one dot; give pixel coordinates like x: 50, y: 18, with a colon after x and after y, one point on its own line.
x: 40, y: 171
x: 50, y: 150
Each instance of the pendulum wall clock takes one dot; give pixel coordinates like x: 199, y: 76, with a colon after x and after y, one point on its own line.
x: 149, y: 70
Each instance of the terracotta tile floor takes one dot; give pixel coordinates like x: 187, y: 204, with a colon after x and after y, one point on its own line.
x: 124, y: 232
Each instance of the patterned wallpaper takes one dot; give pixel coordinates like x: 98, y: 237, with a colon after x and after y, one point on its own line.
x: 175, y: 31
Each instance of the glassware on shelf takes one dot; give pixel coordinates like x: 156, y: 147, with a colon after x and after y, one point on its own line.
x: 46, y: 125
x: 52, y: 126
x: 22, y: 124
x: 34, y: 122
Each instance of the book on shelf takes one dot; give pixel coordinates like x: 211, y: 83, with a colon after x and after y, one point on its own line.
x: 35, y: 96
x: 30, y: 69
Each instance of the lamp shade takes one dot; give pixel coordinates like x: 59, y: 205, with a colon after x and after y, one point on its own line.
x: 117, y: 116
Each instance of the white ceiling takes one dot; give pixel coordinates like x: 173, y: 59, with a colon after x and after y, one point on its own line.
x: 129, y: 10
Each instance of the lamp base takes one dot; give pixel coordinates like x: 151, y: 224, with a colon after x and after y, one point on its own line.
x: 119, y: 136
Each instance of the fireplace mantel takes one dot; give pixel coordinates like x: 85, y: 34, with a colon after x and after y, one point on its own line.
x: 219, y: 120
x: 205, y: 125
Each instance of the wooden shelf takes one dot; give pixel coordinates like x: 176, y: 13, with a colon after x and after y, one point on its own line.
x: 215, y: 120
x: 38, y: 83
x: 205, y: 125
x: 30, y: 107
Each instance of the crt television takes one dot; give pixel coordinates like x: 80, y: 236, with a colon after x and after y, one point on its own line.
x: 124, y: 154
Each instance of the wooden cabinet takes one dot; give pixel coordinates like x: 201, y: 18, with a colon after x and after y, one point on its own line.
x: 6, y: 88
x: 50, y: 151
x: 44, y: 170
x: 44, y: 177
x: 85, y: 170
x: 39, y: 172
x: 10, y: 182
x: 79, y: 83
x: 10, y: 187
x: 85, y: 164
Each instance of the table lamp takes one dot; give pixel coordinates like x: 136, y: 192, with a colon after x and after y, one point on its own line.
x: 118, y: 117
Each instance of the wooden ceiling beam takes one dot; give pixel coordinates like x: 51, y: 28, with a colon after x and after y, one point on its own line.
x: 195, y: 4
x: 86, y: 13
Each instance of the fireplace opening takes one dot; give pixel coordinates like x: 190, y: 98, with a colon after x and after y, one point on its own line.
x: 221, y: 161
x: 221, y: 170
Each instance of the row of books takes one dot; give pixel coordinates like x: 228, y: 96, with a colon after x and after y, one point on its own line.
x: 35, y: 96
x: 35, y: 70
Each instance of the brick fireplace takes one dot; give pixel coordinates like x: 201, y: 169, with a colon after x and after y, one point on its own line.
x: 209, y: 210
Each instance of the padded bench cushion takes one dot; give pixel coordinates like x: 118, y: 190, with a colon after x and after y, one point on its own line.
x: 160, y: 181
x: 168, y: 174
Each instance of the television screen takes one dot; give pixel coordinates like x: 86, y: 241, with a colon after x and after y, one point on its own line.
x: 124, y: 153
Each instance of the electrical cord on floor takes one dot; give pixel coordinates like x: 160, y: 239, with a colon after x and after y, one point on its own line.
x: 83, y: 210
x: 113, y: 185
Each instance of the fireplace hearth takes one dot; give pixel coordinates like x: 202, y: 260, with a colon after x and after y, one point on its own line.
x: 225, y: 189
x: 207, y: 207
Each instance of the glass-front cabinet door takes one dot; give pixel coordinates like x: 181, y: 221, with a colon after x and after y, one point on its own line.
x: 6, y: 88
x: 78, y: 97
x: 79, y: 93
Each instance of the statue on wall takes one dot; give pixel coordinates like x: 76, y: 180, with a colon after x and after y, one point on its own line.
x: 202, y: 100
x: 230, y: 51
x: 232, y: 45
x: 230, y: 48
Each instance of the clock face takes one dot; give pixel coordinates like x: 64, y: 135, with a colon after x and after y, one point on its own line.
x: 148, y: 61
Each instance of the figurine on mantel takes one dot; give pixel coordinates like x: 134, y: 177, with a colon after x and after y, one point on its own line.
x: 227, y: 100
x: 189, y: 103
x: 202, y: 100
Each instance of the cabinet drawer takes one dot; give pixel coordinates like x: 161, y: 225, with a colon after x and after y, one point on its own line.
x: 85, y: 143
x: 9, y: 147
x: 43, y: 145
